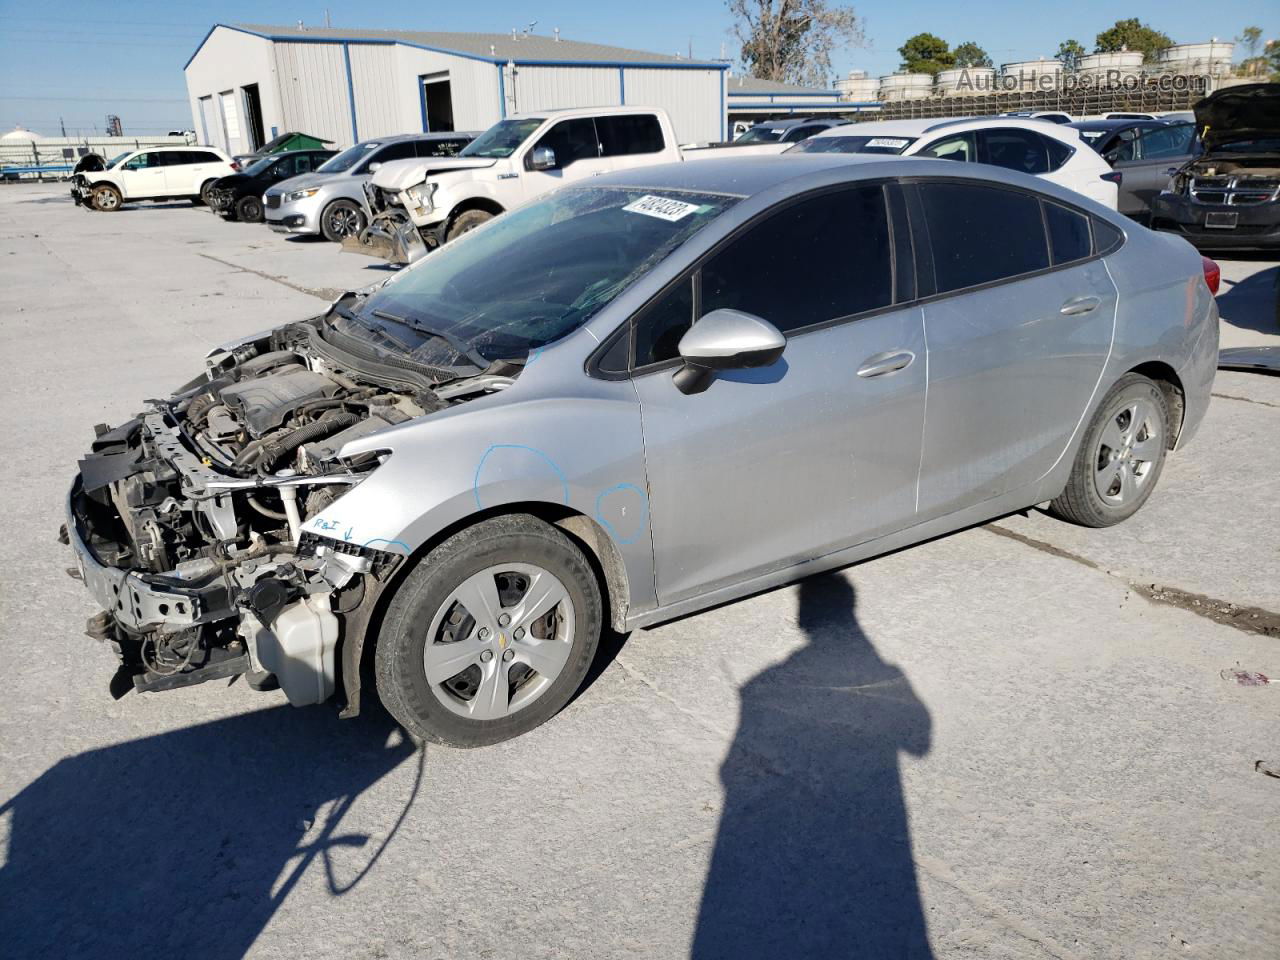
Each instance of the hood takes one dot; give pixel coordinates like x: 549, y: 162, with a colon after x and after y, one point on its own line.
x: 400, y: 174
x: 304, y: 180
x: 231, y: 181
x: 1245, y: 112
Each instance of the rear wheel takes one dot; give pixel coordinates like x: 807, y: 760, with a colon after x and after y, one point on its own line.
x: 342, y: 218
x: 249, y: 209
x: 107, y: 198
x: 490, y: 635
x: 1120, y: 458
x: 466, y: 222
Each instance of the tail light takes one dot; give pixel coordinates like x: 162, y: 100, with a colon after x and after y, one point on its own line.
x: 1212, y: 274
x: 235, y: 165
x: 1112, y: 176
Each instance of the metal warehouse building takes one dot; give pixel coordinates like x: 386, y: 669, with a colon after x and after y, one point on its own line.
x: 247, y: 83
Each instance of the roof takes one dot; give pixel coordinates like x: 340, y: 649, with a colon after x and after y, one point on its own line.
x: 919, y: 127
x: 492, y: 47
x: 755, y: 87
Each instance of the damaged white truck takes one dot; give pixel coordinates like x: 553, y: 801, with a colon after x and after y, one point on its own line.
x: 419, y: 205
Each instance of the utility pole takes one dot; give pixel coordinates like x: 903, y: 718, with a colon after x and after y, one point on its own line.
x: 326, y: 18
x: 63, y: 125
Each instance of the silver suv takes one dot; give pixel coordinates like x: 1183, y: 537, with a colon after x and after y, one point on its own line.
x: 331, y: 200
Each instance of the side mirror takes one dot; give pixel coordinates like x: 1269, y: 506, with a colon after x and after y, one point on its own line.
x: 375, y: 167
x: 542, y: 158
x: 726, y: 340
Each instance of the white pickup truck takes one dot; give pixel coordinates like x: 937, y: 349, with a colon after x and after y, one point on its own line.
x: 420, y: 204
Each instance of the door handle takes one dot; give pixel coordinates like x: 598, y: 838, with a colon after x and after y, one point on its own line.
x: 1077, y: 306
x: 1171, y: 171
x: 885, y: 363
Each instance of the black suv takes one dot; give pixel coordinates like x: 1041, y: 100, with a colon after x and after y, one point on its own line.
x: 239, y: 196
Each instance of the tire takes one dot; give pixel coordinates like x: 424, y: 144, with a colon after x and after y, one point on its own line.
x: 249, y: 209
x: 497, y: 693
x: 107, y: 198
x: 342, y: 218
x: 1120, y: 458
x: 203, y: 198
x: 465, y: 222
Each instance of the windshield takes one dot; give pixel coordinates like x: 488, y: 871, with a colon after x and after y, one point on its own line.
x: 531, y: 276
x: 349, y: 157
x: 1255, y: 145
x: 118, y: 157
x: 258, y: 166
x: 502, y: 139
x: 850, y: 144
x: 762, y: 134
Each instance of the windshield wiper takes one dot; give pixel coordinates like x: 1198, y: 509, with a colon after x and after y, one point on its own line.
x: 461, y: 346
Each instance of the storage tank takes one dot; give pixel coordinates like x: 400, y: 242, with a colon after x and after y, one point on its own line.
x: 965, y: 81
x: 1212, y: 59
x: 906, y: 86
x: 857, y: 86
x: 1030, y: 75
x: 1126, y: 64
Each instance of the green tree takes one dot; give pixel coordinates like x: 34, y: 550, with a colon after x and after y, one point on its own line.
x: 792, y: 40
x: 925, y: 53
x: 1250, y: 39
x: 969, y: 54
x: 1070, y: 52
x: 1132, y: 34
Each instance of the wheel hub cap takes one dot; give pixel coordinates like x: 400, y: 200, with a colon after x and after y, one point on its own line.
x: 1127, y: 451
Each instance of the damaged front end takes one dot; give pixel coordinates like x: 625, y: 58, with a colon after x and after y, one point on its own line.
x: 391, y: 234
x: 186, y: 522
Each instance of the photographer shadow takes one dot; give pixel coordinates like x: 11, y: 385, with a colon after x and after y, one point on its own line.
x: 185, y: 844
x: 813, y: 853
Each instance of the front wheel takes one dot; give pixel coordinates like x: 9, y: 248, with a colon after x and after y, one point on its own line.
x: 249, y: 209
x: 465, y: 222
x: 107, y: 198
x: 1121, y: 456
x: 342, y: 218
x: 206, y: 191
x: 490, y: 635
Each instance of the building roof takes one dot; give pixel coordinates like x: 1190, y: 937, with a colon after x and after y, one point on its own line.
x: 493, y: 47
x: 755, y: 87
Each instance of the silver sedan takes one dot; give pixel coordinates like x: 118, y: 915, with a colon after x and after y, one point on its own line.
x: 628, y: 401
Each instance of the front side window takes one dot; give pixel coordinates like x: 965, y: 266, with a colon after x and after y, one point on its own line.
x: 622, y: 136
x: 816, y: 260
x: 531, y: 276
x: 143, y: 161
x: 980, y: 234
x: 1172, y: 141
x: 762, y: 134
x: 802, y: 133
x: 401, y: 150
x: 440, y: 148
x: 571, y: 141
x: 960, y: 146
x: 502, y: 139
x: 662, y: 323
x: 1020, y: 150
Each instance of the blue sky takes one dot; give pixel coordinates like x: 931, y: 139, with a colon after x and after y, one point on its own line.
x: 80, y: 60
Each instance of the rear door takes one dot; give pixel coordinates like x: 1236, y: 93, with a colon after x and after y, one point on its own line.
x: 1019, y: 327
x: 770, y: 467
x: 186, y: 171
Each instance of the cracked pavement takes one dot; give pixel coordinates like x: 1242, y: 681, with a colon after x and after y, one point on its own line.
x: 1019, y: 741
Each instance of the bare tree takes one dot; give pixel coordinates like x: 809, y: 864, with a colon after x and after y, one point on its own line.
x: 792, y: 40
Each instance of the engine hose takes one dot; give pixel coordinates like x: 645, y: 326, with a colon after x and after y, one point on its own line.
x: 266, y: 511
x: 330, y: 423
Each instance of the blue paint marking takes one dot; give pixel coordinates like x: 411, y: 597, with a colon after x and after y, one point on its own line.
x: 644, y: 516
x: 622, y: 86
x: 532, y: 357
x: 398, y: 543
x: 475, y: 484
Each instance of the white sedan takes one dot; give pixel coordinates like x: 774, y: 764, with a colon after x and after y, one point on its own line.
x: 1027, y: 145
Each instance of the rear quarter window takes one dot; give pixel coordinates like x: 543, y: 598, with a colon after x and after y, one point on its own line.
x: 1069, y: 236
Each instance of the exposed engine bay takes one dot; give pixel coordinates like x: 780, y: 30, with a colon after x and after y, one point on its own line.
x: 1237, y: 181
x: 187, y: 520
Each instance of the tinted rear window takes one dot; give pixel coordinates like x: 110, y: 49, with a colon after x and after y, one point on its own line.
x: 621, y: 136
x: 1069, y: 237
x: 980, y: 234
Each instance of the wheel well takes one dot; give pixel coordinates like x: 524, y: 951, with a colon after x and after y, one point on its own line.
x: 106, y: 183
x: 475, y: 203
x: 1166, y: 378
x: 357, y: 646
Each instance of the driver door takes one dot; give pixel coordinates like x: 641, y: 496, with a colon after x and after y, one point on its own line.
x: 143, y: 176
x: 772, y: 466
x: 576, y: 146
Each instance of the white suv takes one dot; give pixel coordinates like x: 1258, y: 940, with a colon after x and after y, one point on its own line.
x: 153, y: 173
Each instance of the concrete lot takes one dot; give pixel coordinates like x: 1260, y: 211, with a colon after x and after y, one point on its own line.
x: 1013, y: 742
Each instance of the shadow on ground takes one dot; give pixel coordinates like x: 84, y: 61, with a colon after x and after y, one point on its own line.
x: 185, y: 844
x: 813, y: 855
x: 1250, y: 304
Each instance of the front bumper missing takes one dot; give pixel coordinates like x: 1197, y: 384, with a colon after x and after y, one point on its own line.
x: 390, y: 236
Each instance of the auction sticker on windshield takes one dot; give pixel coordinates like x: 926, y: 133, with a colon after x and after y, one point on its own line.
x: 661, y: 207
x: 887, y: 142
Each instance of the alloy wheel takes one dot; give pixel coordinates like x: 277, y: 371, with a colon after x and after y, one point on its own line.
x: 499, y: 641
x: 1127, y: 452
x: 344, y: 221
